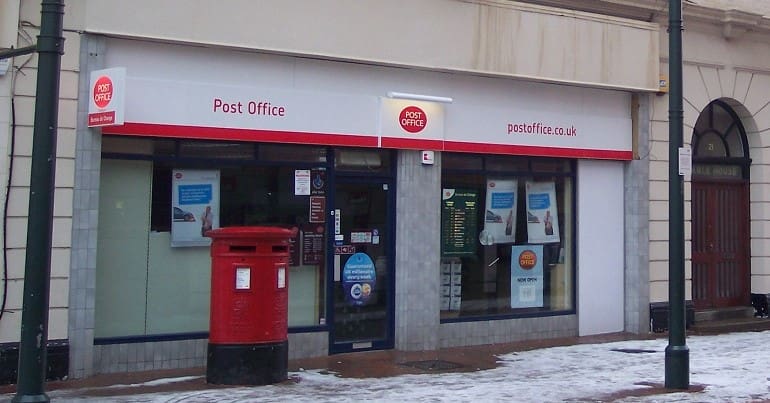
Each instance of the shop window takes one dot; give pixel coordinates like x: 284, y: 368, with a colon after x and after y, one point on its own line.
x: 160, y: 215
x: 293, y: 153
x: 506, y: 237
x: 164, y: 289
x: 121, y: 261
x: 460, y: 161
x: 216, y: 149
x: 266, y: 196
x: 366, y: 160
x: 162, y: 148
x: 139, y: 146
x: 495, y: 163
x: 123, y: 145
x: 550, y: 165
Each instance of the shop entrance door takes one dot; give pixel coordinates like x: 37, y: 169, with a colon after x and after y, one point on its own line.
x: 720, y: 244
x: 362, y: 284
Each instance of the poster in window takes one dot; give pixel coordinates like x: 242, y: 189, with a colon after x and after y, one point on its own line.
x: 459, y: 209
x: 194, y: 206
x: 526, y: 276
x: 312, y: 244
x: 301, y: 182
x: 500, y: 213
x: 317, y: 209
x: 542, y: 212
x: 318, y: 182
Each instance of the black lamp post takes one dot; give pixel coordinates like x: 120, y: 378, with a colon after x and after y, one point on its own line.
x: 677, y: 353
x: 34, y: 317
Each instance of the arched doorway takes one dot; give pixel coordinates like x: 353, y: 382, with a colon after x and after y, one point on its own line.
x: 720, y: 210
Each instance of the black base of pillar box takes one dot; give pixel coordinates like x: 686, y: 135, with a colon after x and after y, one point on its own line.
x: 247, y: 364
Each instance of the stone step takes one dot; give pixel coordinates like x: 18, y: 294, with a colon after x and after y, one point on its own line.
x: 750, y: 324
x: 711, y: 315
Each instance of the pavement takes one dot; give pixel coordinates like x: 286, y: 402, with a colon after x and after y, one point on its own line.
x: 372, y: 364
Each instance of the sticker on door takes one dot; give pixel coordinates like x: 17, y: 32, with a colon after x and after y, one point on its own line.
x: 358, y: 279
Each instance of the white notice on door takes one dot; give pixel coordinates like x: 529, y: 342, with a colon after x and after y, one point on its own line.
x: 337, y: 222
x: 301, y: 182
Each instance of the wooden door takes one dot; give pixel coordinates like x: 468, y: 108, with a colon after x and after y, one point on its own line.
x: 720, y: 244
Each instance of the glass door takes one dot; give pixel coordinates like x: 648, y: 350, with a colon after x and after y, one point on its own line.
x: 362, y: 296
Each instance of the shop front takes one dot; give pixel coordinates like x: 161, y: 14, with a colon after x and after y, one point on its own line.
x: 431, y: 209
x: 159, y: 196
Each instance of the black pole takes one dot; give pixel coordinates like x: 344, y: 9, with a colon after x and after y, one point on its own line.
x: 34, y: 319
x: 677, y: 353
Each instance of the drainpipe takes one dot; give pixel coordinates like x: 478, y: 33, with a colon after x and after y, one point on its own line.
x: 677, y: 353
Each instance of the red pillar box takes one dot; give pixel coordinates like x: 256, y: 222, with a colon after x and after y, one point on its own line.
x: 249, y: 306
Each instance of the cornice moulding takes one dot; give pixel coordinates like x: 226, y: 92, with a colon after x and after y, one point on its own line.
x: 734, y: 22
x: 545, y: 7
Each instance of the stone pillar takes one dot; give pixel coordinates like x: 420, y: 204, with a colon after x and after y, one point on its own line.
x: 85, y: 219
x: 418, y: 226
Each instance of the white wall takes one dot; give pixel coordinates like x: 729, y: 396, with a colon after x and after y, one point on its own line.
x: 9, y: 20
x: 600, y: 247
x: 497, y: 37
x: 22, y: 87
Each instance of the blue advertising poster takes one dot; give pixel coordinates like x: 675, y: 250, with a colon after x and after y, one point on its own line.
x: 358, y: 279
x: 500, y: 214
x: 526, y: 276
x: 194, y: 206
x: 542, y: 212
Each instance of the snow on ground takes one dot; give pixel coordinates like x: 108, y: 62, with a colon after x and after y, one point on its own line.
x: 732, y: 368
